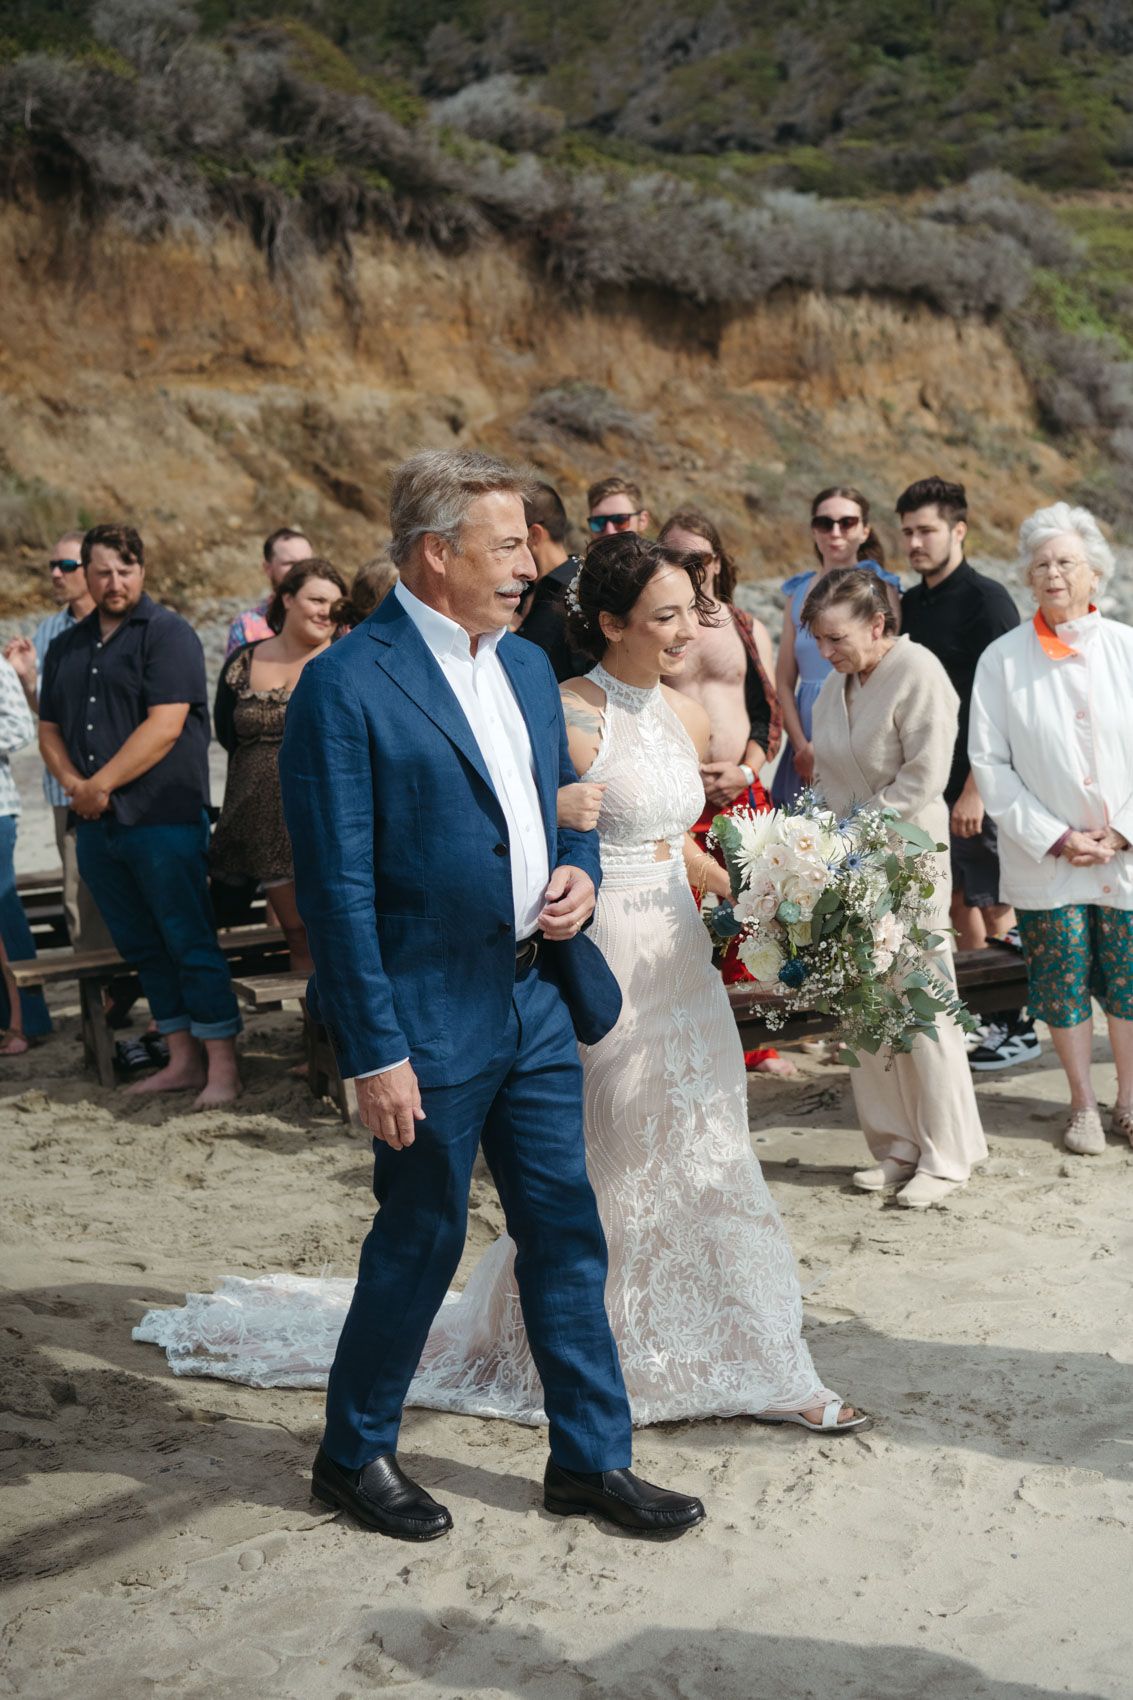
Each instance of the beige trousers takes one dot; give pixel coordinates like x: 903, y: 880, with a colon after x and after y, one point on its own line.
x: 86, y: 928
x: 921, y: 1108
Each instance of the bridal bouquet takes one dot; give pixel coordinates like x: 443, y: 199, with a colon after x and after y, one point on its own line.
x: 831, y: 915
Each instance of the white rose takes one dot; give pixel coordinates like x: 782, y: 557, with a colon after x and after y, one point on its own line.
x: 762, y: 959
x: 888, y: 934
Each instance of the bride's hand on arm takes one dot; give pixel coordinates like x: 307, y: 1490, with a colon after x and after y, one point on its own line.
x: 579, y: 805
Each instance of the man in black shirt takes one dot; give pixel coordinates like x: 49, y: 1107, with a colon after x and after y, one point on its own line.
x: 124, y: 729
x: 956, y: 613
x: 545, y: 620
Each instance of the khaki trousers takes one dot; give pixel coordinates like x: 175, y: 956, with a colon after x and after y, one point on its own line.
x: 922, y: 1108
x: 86, y: 928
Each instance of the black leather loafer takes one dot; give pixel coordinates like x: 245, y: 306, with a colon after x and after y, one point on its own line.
x: 380, y: 1496
x: 621, y: 1497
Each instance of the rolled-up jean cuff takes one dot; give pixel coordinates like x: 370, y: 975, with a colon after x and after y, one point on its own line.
x: 172, y: 1023
x: 216, y: 1029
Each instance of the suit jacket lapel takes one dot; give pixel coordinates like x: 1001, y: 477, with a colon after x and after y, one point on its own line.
x: 403, y: 653
x: 533, y: 701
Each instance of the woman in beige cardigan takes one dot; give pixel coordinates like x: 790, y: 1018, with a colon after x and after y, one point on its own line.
x: 884, y: 732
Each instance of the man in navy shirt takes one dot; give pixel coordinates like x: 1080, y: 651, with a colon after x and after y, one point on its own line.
x: 124, y: 729
x: 957, y: 612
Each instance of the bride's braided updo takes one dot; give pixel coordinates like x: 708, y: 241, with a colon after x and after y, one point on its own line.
x: 612, y: 577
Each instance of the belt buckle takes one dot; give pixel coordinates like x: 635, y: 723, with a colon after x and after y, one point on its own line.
x: 527, y: 953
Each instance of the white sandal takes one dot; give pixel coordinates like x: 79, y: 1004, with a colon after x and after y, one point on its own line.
x: 829, y: 1423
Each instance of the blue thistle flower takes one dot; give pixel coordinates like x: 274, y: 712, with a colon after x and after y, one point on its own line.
x: 794, y: 972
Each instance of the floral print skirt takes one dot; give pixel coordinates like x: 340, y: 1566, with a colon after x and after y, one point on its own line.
x: 1080, y: 951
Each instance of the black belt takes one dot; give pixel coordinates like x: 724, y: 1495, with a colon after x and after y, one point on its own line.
x: 525, y: 953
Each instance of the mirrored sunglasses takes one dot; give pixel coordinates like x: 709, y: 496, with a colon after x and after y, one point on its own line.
x: 599, y: 522
x: 64, y: 566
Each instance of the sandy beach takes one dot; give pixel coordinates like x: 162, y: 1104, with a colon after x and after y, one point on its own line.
x: 160, y: 1540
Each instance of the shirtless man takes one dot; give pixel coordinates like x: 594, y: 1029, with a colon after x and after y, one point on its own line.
x: 729, y: 672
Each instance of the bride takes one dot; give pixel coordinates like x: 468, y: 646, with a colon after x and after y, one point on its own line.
x: 702, y: 1292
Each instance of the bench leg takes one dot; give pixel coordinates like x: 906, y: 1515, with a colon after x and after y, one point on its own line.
x: 97, y: 1043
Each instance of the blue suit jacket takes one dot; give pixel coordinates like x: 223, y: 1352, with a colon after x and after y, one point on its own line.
x: 402, y: 869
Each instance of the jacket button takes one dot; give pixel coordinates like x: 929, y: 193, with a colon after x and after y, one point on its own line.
x: 499, y: 849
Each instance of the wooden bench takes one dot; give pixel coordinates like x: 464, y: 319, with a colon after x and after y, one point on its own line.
x: 42, y: 897
x: 272, y: 991
x: 246, y: 949
x: 989, y: 980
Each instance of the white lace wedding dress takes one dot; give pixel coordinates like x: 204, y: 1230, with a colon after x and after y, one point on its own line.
x: 702, y: 1292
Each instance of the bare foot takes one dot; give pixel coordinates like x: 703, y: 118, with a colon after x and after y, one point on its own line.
x: 216, y: 1092
x: 13, y: 1045
x: 775, y: 1065
x: 182, y: 1076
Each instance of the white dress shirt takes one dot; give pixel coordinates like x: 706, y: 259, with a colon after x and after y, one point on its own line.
x: 481, y: 687
x: 1050, y: 749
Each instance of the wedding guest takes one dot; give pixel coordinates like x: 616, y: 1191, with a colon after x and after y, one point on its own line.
x: 884, y: 735
x: 124, y: 729
x: 370, y: 586
x: 250, y: 841
x: 283, y: 549
x: 957, y: 612
x: 26, y: 1017
x: 615, y: 504
x: 1051, y: 753
x: 543, y: 614
x: 728, y: 672
x: 13, y: 1040
x: 86, y: 928
x: 842, y: 537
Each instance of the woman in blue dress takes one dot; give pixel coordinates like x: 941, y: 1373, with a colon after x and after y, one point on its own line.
x: 843, y: 537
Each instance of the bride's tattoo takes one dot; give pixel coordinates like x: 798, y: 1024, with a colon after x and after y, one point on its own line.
x: 580, y: 715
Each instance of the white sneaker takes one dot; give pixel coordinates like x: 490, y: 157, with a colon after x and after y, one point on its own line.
x: 988, y: 1033
x: 1007, y: 1050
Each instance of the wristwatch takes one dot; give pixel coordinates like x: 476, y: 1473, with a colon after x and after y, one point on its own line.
x: 748, y: 773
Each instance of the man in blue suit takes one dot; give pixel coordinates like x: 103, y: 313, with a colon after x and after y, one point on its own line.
x: 444, y: 909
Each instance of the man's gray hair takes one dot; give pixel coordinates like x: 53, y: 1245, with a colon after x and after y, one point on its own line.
x: 1047, y: 523
x: 433, y: 491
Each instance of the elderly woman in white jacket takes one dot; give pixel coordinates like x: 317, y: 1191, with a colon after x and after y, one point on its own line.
x: 1051, y: 754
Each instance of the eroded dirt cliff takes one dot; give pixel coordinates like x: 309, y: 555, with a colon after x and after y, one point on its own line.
x: 178, y: 386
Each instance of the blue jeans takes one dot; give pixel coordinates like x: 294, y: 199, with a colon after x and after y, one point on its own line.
x: 151, y: 887
x: 17, y: 936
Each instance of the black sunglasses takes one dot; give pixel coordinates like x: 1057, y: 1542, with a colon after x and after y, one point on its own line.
x: 599, y: 522
x: 844, y: 522
x: 64, y: 566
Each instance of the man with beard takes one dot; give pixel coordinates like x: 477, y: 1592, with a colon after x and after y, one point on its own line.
x: 124, y: 729
x: 957, y: 612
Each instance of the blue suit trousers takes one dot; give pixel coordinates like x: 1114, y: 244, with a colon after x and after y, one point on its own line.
x: 526, y: 1111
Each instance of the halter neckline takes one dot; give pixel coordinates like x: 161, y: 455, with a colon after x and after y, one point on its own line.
x: 630, y: 696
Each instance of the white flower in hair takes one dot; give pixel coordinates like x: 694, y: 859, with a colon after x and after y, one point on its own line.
x: 572, y: 601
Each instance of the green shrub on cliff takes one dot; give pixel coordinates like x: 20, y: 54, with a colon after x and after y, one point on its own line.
x: 640, y: 150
